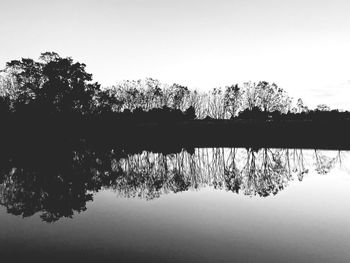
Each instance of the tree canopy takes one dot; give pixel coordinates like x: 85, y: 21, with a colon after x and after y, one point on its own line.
x: 53, y: 83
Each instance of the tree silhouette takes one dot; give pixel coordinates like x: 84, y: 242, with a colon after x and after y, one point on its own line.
x: 232, y: 100
x: 301, y: 107
x: 323, y: 107
x: 54, y: 84
x: 67, y: 86
x: 27, y: 79
x: 272, y: 97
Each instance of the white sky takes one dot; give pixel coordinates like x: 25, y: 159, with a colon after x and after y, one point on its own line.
x: 302, y: 45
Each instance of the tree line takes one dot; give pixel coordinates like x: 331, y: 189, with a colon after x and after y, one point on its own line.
x: 58, y: 85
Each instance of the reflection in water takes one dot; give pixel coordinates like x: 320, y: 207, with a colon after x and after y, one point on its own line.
x: 56, y: 187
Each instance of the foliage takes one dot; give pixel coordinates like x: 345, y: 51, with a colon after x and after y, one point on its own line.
x: 268, y: 97
x: 54, y: 84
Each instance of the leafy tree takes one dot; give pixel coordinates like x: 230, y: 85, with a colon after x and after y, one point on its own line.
x: 178, y: 95
x: 106, y: 101
x: 271, y: 97
x: 27, y: 79
x: 56, y: 84
x: 67, y: 86
x: 268, y: 97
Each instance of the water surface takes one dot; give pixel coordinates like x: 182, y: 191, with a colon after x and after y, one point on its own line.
x: 209, y: 205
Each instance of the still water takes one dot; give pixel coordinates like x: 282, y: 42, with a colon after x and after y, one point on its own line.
x: 206, y: 205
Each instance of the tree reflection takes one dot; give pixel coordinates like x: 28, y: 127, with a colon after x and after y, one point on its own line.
x: 325, y: 163
x: 59, y: 183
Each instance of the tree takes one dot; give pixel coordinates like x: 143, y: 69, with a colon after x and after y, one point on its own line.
x: 232, y: 100
x: 268, y: 97
x: 67, y: 86
x: 251, y: 95
x: 323, y: 107
x: 27, y: 79
x: 197, y: 101
x: 56, y: 84
x: 216, y: 104
x: 153, y: 93
x: 301, y: 107
x: 190, y: 113
x: 178, y: 96
x: 8, y: 86
x: 129, y: 94
x: 271, y: 97
x: 106, y: 101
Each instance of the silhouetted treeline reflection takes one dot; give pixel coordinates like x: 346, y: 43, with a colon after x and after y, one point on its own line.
x: 65, y: 137
x: 59, y: 183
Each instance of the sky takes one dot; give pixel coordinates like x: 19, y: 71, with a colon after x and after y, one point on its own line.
x: 302, y: 45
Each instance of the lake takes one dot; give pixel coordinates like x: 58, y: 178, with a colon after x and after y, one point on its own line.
x: 199, y: 205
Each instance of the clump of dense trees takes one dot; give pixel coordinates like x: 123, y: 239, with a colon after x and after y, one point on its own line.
x: 60, y: 86
x: 53, y: 84
x: 57, y: 85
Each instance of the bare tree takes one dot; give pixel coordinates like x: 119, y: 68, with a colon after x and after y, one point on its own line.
x: 301, y: 107
x: 216, y: 104
x: 232, y: 100
x: 323, y: 107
